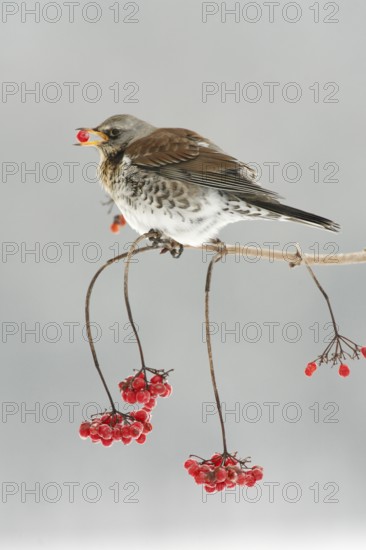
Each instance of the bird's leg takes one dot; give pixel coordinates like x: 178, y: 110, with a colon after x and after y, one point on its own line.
x: 221, y: 246
x: 169, y: 245
x: 156, y: 238
x: 175, y: 248
x: 217, y: 241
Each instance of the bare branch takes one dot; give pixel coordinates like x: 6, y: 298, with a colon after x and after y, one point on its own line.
x: 347, y: 258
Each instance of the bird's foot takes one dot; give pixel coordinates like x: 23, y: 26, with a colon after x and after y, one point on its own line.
x: 168, y: 245
x: 156, y: 237
x: 175, y: 248
x: 221, y: 246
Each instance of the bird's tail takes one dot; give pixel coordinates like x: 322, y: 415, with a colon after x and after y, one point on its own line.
x: 294, y: 214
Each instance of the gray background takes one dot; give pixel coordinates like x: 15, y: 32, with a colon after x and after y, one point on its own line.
x: 169, y: 53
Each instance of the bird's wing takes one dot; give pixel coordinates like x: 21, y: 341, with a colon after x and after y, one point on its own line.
x: 180, y: 154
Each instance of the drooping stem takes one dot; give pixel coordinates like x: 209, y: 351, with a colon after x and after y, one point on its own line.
x: 87, y: 315
x: 243, y: 251
x: 133, y: 250
x: 337, y: 340
x: 209, y: 346
x: 316, y: 280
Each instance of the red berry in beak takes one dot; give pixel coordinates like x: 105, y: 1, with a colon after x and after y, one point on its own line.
x: 82, y: 136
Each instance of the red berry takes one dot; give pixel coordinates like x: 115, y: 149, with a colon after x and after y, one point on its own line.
x: 141, y: 439
x: 125, y: 432
x: 344, y: 371
x: 167, y: 390
x: 216, y: 459
x: 310, y: 369
x: 84, y: 430
x: 363, y: 351
x: 230, y: 484
x: 193, y: 469
x: 116, y: 419
x: 200, y: 477
x: 230, y: 461
x: 189, y: 462
x: 105, y: 431
x: 139, y: 384
x: 143, y: 396
x: 150, y: 404
x: 156, y: 379
x: 152, y: 390
x: 117, y: 433
x: 82, y: 136
x: 147, y: 427
x: 221, y: 474
x: 142, y: 415
x: 94, y: 428
x: 114, y: 228
x: 232, y: 476
x: 129, y: 396
x: 121, y: 220
x: 241, y: 480
x: 257, y: 473
x: 107, y: 442
x: 136, y: 429
x: 159, y: 388
x: 250, y: 480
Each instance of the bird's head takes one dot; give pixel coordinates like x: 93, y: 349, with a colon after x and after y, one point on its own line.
x: 116, y: 133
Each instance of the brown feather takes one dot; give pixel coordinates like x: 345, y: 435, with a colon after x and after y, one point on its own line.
x: 178, y: 154
x: 164, y: 146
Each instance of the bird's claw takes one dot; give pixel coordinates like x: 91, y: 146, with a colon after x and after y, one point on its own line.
x: 168, y: 245
x: 155, y: 237
x: 175, y: 249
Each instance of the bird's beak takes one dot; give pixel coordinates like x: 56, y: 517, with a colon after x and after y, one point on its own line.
x: 95, y: 143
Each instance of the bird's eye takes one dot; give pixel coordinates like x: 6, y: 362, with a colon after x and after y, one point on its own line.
x: 114, y: 132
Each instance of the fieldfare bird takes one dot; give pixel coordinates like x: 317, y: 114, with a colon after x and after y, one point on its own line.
x: 180, y: 184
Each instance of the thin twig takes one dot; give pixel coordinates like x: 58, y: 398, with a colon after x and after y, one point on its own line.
x: 245, y: 251
x: 339, y: 353
x: 316, y: 280
x: 280, y: 255
x: 87, y: 314
x: 131, y: 252
x: 209, y: 346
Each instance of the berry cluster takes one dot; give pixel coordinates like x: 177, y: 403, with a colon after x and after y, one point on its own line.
x: 343, y: 370
x: 137, y: 389
x: 118, y: 222
x: 115, y: 426
x: 222, y: 471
